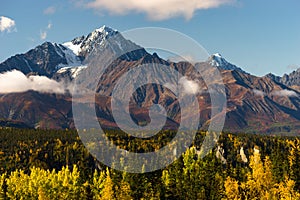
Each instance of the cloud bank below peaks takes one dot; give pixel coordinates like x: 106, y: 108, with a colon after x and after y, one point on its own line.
x: 285, y: 93
x: 156, y: 9
x: 15, y: 81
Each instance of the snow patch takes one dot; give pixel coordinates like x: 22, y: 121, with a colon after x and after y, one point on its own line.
x: 72, y: 59
x: 73, y: 70
x: 75, y: 48
x: 120, y: 45
x: 28, y: 65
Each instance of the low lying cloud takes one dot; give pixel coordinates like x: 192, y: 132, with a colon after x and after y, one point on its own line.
x: 285, y: 93
x: 184, y: 85
x: 157, y: 9
x: 189, y: 86
x: 258, y: 92
x: 7, y: 24
x: 50, y: 10
x: 15, y: 81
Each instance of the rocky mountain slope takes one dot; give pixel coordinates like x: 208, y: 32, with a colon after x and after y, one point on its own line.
x: 292, y: 79
x: 267, y: 104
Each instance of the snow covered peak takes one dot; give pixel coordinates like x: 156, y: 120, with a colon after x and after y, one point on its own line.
x: 102, y: 32
x: 106, y: 30
x: 84, y: 44
x: 217, y: 60
x: 217, y: 55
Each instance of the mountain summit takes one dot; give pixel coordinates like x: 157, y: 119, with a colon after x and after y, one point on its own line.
x: 85, y: 44
x: 218, y: 61
x: 54, y: 60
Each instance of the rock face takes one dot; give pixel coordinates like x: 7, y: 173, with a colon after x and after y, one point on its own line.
x: 291, y: 80
x: 258, y: 104
x: 43, y: 60
x: 267, y: 104
x: 54, y: 60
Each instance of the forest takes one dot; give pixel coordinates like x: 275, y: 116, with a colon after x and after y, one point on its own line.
x: 54, y: 164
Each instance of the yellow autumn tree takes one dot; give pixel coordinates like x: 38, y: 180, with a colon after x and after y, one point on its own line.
x: 260, y: 181
x: 108, y: 189
x: 124, y: 191
x: 2, y: 180
x: 285, y: 190
x: 260, y: 184
x: 232, y: 189
x: 43, y: 184
x: 97, y: 184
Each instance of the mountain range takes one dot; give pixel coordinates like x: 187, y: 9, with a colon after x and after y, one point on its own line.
x: 267, y: 105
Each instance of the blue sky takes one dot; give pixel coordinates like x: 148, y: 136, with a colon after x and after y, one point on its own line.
x: 258, y: 36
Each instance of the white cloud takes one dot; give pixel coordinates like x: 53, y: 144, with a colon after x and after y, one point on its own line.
x: 44, y: 33
x: 157, y: 9
x: 16, y: 81
x: 50, y: 10
x: 189, y: 86
x: 285, y: 93
x: 258, y: 92
x: 49, y: 26
x: 7, y: 24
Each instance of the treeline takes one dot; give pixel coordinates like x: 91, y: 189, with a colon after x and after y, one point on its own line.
x: 53, y: 164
